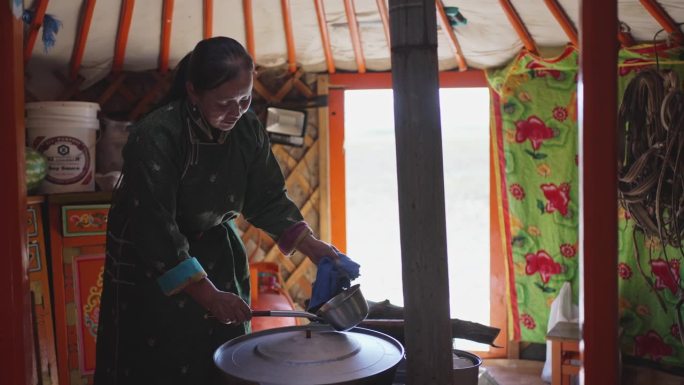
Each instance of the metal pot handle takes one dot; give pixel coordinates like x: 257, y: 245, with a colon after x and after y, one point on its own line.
x: 285, y: 313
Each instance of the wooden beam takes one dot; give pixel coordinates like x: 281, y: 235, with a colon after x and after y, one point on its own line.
x: 519, y: 26
x: 323, y: 163
x: 167, y: 18
x: 16, y: 355
x: 384, y: 16
x: 143, y: 105
x: 122, y: 34
x: 338, y: 213
x: 446, y: 27
x: 304, y: 89
x: 249, y: 27
x: 325, y: 38
x: 597, y: 97
x: 117, y: 80
x: 562, y: 18
x: 377, y: 80
x: 289, y: 36
x: 663, y: 18
x: 36, y: 24
x: 422, y: 222
x: 350, y: 10
x: 208, y: 27
x: 81, y: 39
x: 302, y: 269
x: 262, y: 91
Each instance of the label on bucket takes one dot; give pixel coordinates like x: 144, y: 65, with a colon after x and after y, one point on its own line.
x: 68, y: 159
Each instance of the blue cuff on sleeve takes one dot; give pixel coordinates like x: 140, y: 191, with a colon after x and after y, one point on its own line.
x: 185, y: 273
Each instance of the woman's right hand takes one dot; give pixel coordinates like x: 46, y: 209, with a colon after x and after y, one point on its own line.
x: 226, y: 307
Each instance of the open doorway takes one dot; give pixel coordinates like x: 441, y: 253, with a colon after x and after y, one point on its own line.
x: 372, y: 224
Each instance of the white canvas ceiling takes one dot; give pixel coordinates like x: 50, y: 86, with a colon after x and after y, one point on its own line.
x: 487, y: 40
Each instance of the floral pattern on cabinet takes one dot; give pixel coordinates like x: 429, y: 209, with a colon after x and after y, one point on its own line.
x: 45, y: 359
x: 78, y: 254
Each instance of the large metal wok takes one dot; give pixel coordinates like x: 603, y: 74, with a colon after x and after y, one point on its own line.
x: 314, y: 354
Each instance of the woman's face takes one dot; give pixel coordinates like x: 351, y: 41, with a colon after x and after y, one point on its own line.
x: 225, y: 104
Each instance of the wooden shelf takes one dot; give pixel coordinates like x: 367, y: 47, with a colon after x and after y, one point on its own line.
x: 81, y: 198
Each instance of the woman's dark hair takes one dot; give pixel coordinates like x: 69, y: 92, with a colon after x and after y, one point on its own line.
x: 213, y: 62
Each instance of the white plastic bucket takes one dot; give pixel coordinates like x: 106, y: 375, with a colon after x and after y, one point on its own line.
x: 78, y: 110
x: 68, y: 141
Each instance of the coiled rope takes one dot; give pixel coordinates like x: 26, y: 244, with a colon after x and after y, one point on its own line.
x: 651, y: 166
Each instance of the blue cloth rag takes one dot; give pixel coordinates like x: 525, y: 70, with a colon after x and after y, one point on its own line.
x: 332, y: 277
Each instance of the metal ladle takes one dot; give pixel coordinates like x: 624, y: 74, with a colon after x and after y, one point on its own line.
x: 343, y: 311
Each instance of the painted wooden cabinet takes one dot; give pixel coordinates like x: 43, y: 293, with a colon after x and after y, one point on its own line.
x: 45, y: 359
x: 77, y: 243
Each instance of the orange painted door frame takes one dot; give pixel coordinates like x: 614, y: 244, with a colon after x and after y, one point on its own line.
x: 15, y: 304
x: 339, y: 83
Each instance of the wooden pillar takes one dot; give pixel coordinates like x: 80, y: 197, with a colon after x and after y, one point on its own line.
x: 15, y: 304
x: 597, y: 103
x: 415, y: 78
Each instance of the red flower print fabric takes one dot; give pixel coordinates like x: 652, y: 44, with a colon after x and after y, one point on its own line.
x: 534, y: 130
x: 542, y: 263
x: 558, y: 197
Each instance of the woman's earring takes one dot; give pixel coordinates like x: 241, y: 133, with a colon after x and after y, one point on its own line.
x: 193, y: 108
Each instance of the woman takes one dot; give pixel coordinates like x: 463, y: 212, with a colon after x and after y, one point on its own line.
x: 173, y: 255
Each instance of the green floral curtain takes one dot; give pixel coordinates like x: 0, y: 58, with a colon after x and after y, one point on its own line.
x: 534, y: 129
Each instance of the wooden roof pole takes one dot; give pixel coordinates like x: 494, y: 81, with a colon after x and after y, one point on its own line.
x: 208, y: 26
x: 384, y: 16
x: 325, y: 37
x: 350, y: 10
x: 289, y: 36
x: 15, y: 323
x: 167, y: 18
x: 446, y: 27
x: 81, y: 39
x: 249, y: 27
x: 597, y: 107
x: 519, y: 26
x: 415, y: 80
x: 34, y: 28
x: 559, y: 13
x: 658, y: 12
x: 122, y: 34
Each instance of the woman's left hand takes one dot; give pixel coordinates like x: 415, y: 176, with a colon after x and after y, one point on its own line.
x: 316, y: 249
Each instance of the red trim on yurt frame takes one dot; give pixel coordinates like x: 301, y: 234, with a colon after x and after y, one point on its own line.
x: 208, y: 25
x: 355, y: 35
x: 597, y: 116
x: 663, y: 18
x: 289, y: 36
x: 122, y: 35
x: 446, y: 28
x: 167, y: 18
x: 249, y: 27
x: 384, y: 16
x: 325, y: 37
x: 518, y: 25
x: 81, y: 39
x: 36, y: 24
x: 15, y: 301
x: 562, y: 17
